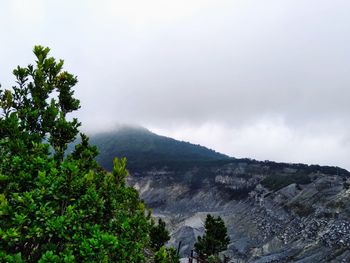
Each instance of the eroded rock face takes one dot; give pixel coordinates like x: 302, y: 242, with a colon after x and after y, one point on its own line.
x: 299, y: 222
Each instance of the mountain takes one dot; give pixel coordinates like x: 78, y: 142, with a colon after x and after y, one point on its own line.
x: 302, y: 221
x: 144, y: 149
x: 275, y: 212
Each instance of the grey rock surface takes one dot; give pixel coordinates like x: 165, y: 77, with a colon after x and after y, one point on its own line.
x: 299, y: 222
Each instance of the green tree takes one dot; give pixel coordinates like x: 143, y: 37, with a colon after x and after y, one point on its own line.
x: 166, y: 255
x: 56, y: 207
x: 159, y: 235
x: 215, y: 237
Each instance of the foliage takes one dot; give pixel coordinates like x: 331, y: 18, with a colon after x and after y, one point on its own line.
x: 173, y: 256
x: 161, y: 256
x: 166, y: 255
x: 214, y: 259
x: 215, y: 238
x: 159, y: 235
x: 276, y: 182
x: 57, y: 208
x: 302, y: 210
x: 144, y: 150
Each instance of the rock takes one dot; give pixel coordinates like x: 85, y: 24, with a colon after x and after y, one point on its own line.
x: 296, y: 223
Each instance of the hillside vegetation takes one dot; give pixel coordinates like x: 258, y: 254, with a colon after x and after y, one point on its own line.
x: 147, y: 151
x: 144, y: 149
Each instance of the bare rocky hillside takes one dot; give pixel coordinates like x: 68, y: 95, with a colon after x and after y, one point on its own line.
x: 306, y: 219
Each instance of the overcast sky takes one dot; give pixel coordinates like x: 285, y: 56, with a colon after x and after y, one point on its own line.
x: 261, y: 79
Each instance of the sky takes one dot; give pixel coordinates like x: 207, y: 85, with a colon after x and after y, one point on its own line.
x: 267, y: 80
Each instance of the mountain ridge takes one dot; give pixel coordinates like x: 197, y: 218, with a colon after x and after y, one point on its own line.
x: 275, y: 212
x: 143, y: 150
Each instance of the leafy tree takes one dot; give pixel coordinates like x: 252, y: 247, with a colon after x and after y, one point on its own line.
x: 215, y: 238
x: 173, y: 255
x: 159, y: 235
x: 214, y: 259
x: 166, y: 255
x: 57, y: 208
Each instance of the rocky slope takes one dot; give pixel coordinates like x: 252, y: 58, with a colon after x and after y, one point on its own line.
x: 305, y: 217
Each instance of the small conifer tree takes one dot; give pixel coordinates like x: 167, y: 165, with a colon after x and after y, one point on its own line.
x: 215, y: 238
x: 166, y: 255
x: 159, y: 235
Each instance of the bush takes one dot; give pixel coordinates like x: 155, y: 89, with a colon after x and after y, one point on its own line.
x: 275, y: 182
x: 166, y: 255
x: 214, y: 259
x: 302, y: 210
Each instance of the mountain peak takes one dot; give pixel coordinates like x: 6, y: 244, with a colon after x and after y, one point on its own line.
x: 144, y: 148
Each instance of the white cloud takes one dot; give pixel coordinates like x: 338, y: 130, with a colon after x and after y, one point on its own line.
x: 29, y: 14
x: 266, y: 139
x: 263, y: 79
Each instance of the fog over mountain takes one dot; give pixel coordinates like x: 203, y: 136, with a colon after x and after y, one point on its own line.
x: 260, y: 79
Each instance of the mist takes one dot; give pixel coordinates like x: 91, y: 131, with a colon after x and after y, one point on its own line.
x: 265, y: 80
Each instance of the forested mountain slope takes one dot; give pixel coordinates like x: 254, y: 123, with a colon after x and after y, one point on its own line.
x: 144, y: 149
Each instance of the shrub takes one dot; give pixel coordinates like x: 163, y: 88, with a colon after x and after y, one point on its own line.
x: 166, y: 255
x: 275, y: 181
